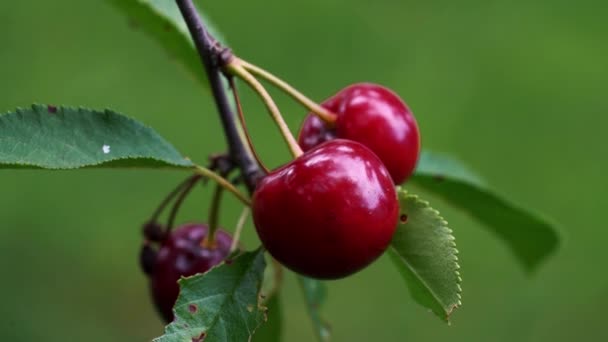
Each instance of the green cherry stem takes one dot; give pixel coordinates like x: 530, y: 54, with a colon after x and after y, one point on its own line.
x: 239, y: 228
x: 241, y: 117
x: 223, y: 182
x: 180, y: 199
x: 170, y: 197
x: 214, y: 210
x: 278, y: 275
x: 328, y: 117
x: 235, y: 68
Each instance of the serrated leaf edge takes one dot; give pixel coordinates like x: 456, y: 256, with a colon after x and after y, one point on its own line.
x: 43, y: 107
x: 445, y: 227
x: 164, y: 164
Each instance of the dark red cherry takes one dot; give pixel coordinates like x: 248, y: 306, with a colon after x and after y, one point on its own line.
x: 154, y: 231
x: 182, y: 255
x: 147, y: 258
x: 374, y: 116
x: 328, y: 213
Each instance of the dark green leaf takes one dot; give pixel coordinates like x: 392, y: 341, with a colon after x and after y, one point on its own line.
x: 48, y: 137
x: 272, y: 329
x: 315, y: 293
x: 162, y: 20
x: 221, y: 305
x: 531, y: 237
x: 424, y: 250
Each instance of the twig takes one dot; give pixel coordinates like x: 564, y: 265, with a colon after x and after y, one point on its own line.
x: 209, y: 52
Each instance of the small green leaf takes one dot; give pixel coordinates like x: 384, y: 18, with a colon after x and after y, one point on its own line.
x: 221, y: 305
x: 49, y: 137
x: 272, y: 329
x: 162, y: 20
x: 530, y: 237
x: 424, y: 250
x: 315, y: 293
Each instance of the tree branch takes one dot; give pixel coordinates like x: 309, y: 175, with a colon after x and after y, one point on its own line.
x: 210, y: 53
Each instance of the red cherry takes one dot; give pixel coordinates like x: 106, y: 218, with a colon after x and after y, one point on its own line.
x: 374, y: 116
x: 182, y: 255
x: 328, y: 213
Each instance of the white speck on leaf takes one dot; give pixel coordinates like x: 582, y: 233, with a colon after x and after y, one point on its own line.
x: 105, y: 149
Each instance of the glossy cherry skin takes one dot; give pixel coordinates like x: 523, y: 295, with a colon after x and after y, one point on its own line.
x: 328, y: 213
x: 374, y: 116
x: 182, y: 255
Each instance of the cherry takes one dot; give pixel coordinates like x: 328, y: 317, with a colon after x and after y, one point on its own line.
x: 374, y: 116
x: 328, y: 213
x: 182, y: 254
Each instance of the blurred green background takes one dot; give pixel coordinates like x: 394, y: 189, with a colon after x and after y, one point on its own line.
x: 517, y: 89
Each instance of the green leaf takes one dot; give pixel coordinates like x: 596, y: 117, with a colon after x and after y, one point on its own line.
x: 48, y: 137
x: 221, y: 305
x: 530, y: 237
x: 438, y: 165
x: 424, y: 250
x: 162, y: 20
x: 315, y: 293
x: 272, y: 329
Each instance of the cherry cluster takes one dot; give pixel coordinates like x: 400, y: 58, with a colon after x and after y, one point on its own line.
x: 333, y: 210
x: 326, y: 214
x: 168, y: 253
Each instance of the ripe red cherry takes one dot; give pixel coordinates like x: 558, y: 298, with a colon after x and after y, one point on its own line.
x: 374, y: 116
x: 328, y: 213
x: 182, y: 254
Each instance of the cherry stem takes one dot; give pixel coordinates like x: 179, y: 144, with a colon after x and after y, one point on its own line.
x: 214, y: 210
x: 278, y: 274
x: 239, y: 108
x: 223, y: 182
x: 239, y: 229
x: 180, y: 199
x: 170, y: 197
x: 235, y: 68
x: 327, y: 116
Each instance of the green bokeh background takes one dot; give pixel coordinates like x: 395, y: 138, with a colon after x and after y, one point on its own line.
x: 517, y: 89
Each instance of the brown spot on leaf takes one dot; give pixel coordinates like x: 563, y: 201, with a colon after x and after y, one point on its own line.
x: 200, y: 337
x: 192, y: 308
x: 403, y: 218
x: 52, y: 109
x: 228, y: 261
x: 439, y: 178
